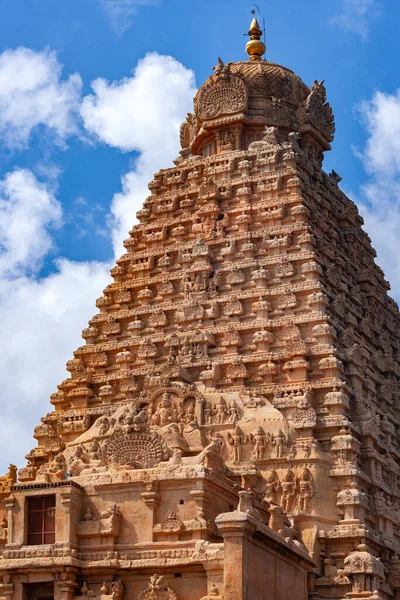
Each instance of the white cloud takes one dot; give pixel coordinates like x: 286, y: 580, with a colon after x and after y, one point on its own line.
x: 28, y: 212
x: 141, y: 113
x: 41, y: 317
x: 41, y: 322
x: 380, y: 196
x: 355, y: 16
x: 33, y: 94
x: 123, y: 12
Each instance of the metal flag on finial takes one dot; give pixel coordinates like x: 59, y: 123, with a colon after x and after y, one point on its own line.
x: 255, y: 48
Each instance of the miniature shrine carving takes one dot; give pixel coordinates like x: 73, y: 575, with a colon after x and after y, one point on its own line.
x: 235, y: 401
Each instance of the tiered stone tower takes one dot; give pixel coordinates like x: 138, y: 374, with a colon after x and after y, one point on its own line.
x: 228, y: 430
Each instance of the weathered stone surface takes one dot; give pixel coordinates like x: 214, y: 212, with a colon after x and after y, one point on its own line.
x: 229, y: 427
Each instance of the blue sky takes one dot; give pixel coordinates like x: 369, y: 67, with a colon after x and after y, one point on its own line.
x: 91, y: 96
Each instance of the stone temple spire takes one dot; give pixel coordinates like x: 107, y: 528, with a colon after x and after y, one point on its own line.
x: 229, y: 428
x: 255, y: 48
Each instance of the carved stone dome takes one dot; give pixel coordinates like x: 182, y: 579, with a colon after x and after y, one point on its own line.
x: 235, y: 105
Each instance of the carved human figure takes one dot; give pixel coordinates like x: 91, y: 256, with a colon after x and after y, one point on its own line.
x: 95, y: 450
x: 189, y: 414
x: 259, y: 440
x: 88, y: 516
x: 140, y: 419
x: 3, y: 530
x: 207, y: 414
x: 280, y: 443
x: 236, y: 441
x: 234, y: 414
x: 117, y: 590
x: 289, y: 485
x: 58, y: 466
x: 306, y: 490
x: 306, y: 450
x: 165, y: 413
x: 212, y: 286
x: 221, y: 411
x: 272, y: 488
x: 187, y: 286
x: 200, y: 282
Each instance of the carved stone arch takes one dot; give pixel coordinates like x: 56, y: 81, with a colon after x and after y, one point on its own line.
x: 223, y: 97
x: 183, y: 392
x: 139, y: 450
x: 178, y: 399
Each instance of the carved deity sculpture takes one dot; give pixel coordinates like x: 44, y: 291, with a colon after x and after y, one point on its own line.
x: 306, y: 490
x: 272, y: 488
x: 236, y: 441
x: 280, y: 442
x: 165, y: 413
x: 247, y: 297
x: 260, y: 440
x: 289, y: 484
x: 157, y: 589
x: 8, y: 480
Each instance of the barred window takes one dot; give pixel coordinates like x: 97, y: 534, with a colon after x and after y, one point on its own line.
x: 41, y: 520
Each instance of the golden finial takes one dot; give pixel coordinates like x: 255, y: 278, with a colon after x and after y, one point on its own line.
x: 255, y: 48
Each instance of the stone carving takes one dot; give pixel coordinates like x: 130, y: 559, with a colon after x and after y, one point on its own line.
x: 289, y: 485
x: 364, y: 570
x: 135, y: 449
x: 318, y: 110
x: 157, y: 589
x: 247, y: 322
x: 306, y: 490
x: 236, y: 441
x: 213, y: 594
x: 107, y: 526
x: 260, y: 441
x: 3, y: 530
x: 304, y: 416
x: 221, y: 412
x: 117, y: 591
x: 279, y: 521
x: 280, y: 442
x: 166, y: 412
x: 221, y: 96
x: 272, y: 488
x: 172, y: 524
x: 8, y: 481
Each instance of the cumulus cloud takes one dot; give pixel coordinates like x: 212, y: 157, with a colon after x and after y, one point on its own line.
x: 355, y: 16
x: 123, y: 12
x: 380, y: 196
x: 41, y: 322
x: 32, y: 94
x: 41, y: 317
x: 141, y: 113
x: 28, y: 212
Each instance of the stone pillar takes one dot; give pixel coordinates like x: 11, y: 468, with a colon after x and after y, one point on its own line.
x: 151, y: 498
x: 200, y: 411
x: 6, y: 588
x: 18, y: 593
x: 67, y: 516
x: 65, y: 590
x: 200, y: 497
x: 10, y: 503
x: 237, y: 529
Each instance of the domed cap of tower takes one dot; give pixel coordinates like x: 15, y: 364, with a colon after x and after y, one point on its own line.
x: 235, y: 105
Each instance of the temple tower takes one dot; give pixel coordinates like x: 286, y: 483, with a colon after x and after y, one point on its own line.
x: 228, y: 429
